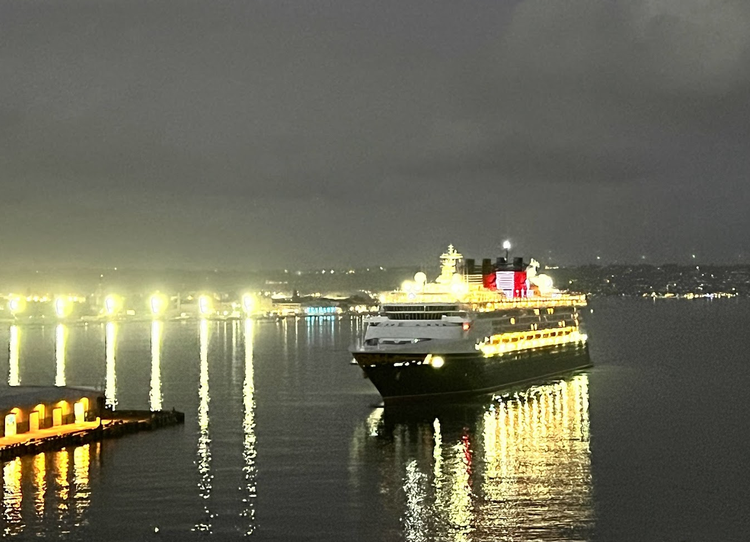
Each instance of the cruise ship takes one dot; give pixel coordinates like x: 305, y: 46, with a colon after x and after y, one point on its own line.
x: 473, y: 330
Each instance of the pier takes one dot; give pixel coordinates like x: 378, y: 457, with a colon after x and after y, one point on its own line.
x: 77, y: 434
x: 40, y: 419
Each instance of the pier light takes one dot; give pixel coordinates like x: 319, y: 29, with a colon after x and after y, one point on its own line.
x: 204, y: 305
x: 437, y: 362
x: 158, y: 304
x: 248, y: 303
x: 16, y: 304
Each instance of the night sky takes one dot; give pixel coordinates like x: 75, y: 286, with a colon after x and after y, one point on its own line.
x: 257, y: 134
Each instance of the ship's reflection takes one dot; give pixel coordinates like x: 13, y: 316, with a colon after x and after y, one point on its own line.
x: 516, y: 467
x: 47, y: 487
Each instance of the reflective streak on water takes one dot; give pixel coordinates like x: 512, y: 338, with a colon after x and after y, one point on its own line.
x: 284, y: 439
x: 49, y: 492
x: 518, y: 466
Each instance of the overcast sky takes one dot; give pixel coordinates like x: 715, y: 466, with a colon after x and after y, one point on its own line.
x: 230, y: 134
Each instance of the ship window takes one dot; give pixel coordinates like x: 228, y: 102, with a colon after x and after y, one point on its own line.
x: 536, y: 311
x: 512, y: 320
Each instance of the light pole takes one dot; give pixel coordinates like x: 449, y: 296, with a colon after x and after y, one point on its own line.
x: 506, y: 246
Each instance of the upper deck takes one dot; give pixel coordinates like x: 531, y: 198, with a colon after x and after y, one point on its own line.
x: 460, y: 289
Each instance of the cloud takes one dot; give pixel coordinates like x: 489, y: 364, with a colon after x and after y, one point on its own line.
x: 401, y: 117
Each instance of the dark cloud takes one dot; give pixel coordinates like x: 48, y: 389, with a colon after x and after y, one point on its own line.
x: 155, y: 133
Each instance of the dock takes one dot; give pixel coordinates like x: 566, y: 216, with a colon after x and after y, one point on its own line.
x: 112, y: 425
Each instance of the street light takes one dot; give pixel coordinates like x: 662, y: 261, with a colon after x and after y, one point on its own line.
x: 204, y: 305
x: 158, y: 304
x: 112, y: 304
x: 248, y: 303
x: 62, y: 307
x: 16, y: 304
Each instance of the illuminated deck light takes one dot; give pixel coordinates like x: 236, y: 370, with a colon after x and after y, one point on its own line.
x: 526, y: 340
x: 437, y: 362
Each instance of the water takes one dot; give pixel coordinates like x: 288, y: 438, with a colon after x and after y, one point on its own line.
x: 283, y: 439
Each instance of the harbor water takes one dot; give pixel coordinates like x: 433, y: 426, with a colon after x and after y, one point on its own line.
x: 284, y: 439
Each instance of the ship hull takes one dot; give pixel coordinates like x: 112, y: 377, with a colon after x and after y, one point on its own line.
x: 401, y: 377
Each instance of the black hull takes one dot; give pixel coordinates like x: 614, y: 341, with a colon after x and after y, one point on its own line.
x: 468, y: 374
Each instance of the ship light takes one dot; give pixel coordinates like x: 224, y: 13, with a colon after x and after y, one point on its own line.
x: 435, y: 361
x: 465, y: 326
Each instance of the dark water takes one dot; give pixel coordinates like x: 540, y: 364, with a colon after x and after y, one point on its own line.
x: 282, y: 439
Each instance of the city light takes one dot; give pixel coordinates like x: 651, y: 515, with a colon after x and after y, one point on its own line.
x: 62, y: 307
x: 112, y: 304
x: 16, y: 304
x: 204, y: 305
x: 248, y: 303
x: 158, y: 304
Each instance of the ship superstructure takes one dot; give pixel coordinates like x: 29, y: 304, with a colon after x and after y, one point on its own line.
x: 472, y: 330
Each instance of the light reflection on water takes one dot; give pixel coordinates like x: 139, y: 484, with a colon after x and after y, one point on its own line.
x: 39, y: 469
x: 55, y: 491
x: 12, y: 497
x: 154, y: 395
x: 82, y: 490
x: 204, y: 438
x: 110, y: 379
x: 249, y: 452
x: 518, y: 467
x: 14, y: 378
x: 61, y: 336
x: 293, y: 434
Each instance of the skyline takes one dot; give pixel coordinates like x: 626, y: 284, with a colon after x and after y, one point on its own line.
x: 256, y: 135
